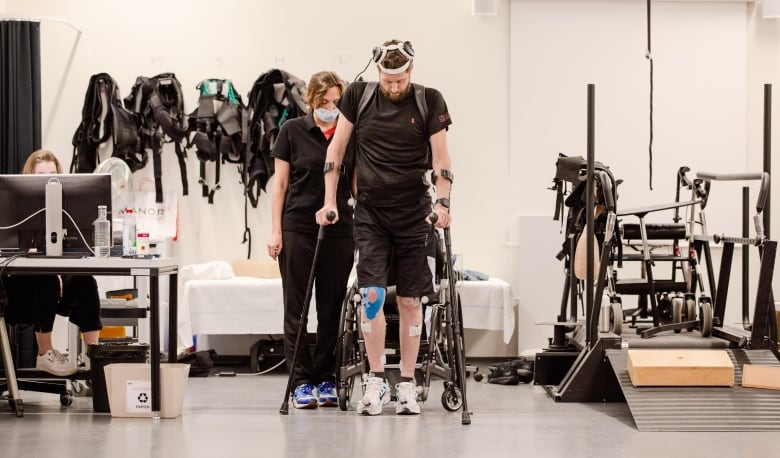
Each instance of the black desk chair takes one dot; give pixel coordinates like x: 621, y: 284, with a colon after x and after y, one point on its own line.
x: 13, y: 329
x: 27, y: 379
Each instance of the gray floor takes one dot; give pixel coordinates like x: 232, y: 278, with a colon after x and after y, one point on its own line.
x: 239, y: 416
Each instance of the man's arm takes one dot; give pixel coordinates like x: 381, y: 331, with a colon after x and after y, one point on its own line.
x: 333, y: 158
x: 442, y: 167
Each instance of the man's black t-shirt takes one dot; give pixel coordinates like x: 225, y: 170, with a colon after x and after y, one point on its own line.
x: 391, y: 144
x: 302, y: 144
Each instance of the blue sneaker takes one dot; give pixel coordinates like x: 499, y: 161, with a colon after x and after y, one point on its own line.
x: 326, y: 392
x: 304, y: 397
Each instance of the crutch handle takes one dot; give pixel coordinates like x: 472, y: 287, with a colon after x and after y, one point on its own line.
x: 331, y: 215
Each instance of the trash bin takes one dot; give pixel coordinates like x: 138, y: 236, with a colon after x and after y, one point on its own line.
x: 103, y: 354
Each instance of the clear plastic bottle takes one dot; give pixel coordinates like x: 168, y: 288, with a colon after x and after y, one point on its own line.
x: 128, y: 233
x: 102, y: 233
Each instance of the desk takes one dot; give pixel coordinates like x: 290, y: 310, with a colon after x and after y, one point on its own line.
x: 151, y: 268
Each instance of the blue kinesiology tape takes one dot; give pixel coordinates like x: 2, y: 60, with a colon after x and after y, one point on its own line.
x: 372, y: 307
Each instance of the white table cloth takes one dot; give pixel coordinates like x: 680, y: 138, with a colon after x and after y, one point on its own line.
x: 488, y: 304
x: 249, y: 305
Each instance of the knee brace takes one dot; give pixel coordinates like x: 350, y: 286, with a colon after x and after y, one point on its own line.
x: 373, y: 298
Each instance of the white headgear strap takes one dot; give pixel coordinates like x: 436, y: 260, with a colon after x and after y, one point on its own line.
x: 394, y: 71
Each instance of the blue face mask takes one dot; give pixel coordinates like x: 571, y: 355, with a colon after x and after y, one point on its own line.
x: 326, y: 115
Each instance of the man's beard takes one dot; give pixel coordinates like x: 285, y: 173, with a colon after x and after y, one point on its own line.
x: 396, y: 97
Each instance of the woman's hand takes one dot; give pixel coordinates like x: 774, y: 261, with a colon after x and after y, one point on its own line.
x: 274, y: 245
x: 327, y: 215
x: 443, y: 216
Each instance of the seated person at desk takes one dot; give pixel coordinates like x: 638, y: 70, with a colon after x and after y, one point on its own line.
x: 38, y: 298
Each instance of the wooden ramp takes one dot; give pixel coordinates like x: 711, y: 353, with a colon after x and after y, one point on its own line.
x: 702, y: 408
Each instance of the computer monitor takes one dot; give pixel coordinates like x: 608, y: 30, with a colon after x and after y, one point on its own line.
x: 24, y: 195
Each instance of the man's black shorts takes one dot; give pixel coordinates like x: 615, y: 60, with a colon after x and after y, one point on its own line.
x: 394, y: 243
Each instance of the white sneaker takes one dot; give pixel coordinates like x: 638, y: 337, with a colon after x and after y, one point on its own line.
x: 55, y: 363
x: 377, y: 394
x: 406, y: 399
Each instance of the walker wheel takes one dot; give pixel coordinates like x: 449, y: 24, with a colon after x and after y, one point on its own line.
x: 67, y: 398
x: 690, y: 305
x: 664, y: 310
x: 452, y: 398
x: 343, y: 399
x: 677, y: 312
x: 616, y: 317
x: 705, y: 317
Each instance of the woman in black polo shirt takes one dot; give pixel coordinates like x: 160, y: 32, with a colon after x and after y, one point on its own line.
x: 297, y: 193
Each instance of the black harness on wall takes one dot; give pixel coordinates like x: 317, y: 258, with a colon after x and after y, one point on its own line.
x: 276, y: 96
x: 104, y: 117
x: 219, y: 126
x: 159, y: 105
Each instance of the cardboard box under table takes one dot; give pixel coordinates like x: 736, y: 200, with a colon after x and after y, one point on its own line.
x: 680, y: 367
x: 129, y: 389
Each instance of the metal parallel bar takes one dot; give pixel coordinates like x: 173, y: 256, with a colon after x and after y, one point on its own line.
x: 591, y: 331
x: 648, y: 263
x: 761, y: 325
x: 573, y: 284
x: 603, y: 261
x: 564, y: 296
x: 710, y: 271
x: 726, y: 259
x: 745, y: 259
x: 729, y: 176
x: 720, y: 238
x: 767, y: 153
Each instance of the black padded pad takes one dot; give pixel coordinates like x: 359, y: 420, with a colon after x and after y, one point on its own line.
x: 654, y: 231
x: 640, y: 286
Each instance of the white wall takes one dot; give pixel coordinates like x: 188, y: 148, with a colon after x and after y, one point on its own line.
x: 515, y: 84
x: 240, y: 41
x: 705, y: 114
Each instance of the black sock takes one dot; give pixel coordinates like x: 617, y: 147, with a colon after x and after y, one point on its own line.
x: 379, y: 374
x: 407, y: 379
